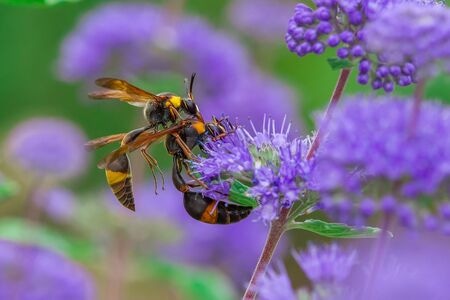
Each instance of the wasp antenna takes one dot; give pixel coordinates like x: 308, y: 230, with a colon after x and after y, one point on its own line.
x: 191, y: 86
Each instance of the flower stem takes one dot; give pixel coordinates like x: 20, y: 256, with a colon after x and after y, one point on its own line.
x: 277, y: 228
x: 335, y: 97
x: 377, y: 257
x: 418, y: 96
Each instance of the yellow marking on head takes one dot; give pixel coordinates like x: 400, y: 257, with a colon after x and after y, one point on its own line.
x: 199, y: 127
x: 210, y: 214
x: 115, y: 177
x: 174, y: 101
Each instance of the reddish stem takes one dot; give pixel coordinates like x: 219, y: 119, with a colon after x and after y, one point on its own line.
x: 273, y: 237
x: 418, y: 96
x: 337, y: 93
x: 277, y: 227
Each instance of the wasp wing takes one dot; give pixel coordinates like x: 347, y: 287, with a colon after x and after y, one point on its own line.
x: 103, y: 141
x: 123, y: 91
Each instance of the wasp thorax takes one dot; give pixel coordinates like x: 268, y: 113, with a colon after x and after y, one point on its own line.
x: 189, y: 106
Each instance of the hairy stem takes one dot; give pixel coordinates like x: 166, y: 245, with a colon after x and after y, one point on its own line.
x: 335, y: 97
x: 273, y: 237
x: 277, y: 227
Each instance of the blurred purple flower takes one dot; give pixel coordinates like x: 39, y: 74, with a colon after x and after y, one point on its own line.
x: 273, y: 163
x: 106, y: 42
x: 413, y: 35
x: 412, y: 268
x: 234, y: 248
x: 342, y: 23
x: 252, y: 18
x: 58, y: 203
x: 276, y: 285
x: 369, y: 153
x: 326, y: 265
x: 32, y: 273
x: 48, y: 147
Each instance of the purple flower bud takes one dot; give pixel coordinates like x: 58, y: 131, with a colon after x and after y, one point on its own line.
x: 407, y: 216
x: 322, y: 14
x: 377, y: 83
x: 357, y: 51
x: 404, y: 80
x: 318, y: 48
x: 347, y: 37
x: 302, y: 8
x: 310, y: 35
x: 388, y: 86
x: 333, y: 40
x: 325, y: 3
x: 343, y: 52
x: 355, y: 18
x: 395, y: 70
x: 382, y: 72
x: 324, y: 28
x: 298, y: 33
x: 409, y: 69
x: 304, y: 18
x: 364, y: 66
x: 363, y: 78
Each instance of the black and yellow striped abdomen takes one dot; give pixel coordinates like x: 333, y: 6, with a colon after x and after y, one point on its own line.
x: 207, y: 210
x: 118, y: 175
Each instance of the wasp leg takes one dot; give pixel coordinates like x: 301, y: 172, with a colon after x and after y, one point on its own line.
x: 152, y: 163
x: 189, y: 173
x: 177, y: 178
x: 186, y: 151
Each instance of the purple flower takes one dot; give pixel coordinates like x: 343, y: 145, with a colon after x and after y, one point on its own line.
x: 276, y: 285
x: 342, y: 24
x: 411, y: 269
x: 251, y: 17
x: 58, y: 203
x: 369, y: 153
x: 410, y: 36
x: 150, y: 46
x: 232, y: 248
x: 272, y: 163
x: 32, y: 273
x: 326, y: 265
x: 49, y: 147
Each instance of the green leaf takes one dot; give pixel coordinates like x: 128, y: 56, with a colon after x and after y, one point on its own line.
x: 338, y: 64
x: 336, y: 230
x: 7, y: 189
x: 193, y: 283
x: 437, y: 88
x: 19, y: 230
x: 36, y: 2
x: 238, y: 194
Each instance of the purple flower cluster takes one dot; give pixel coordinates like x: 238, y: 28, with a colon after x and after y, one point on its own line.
x: 233, y: 248
x: 269, y: 161
x: 327, y: 267
x: 49, y: 147
x: 342, y: 24
x: 106, y: 43
x: 371, y: 162
x: 58, y: 203
x: 411, y: 269
x: 250, y: 17
x: 34, y: 273
x: 410, y: 35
